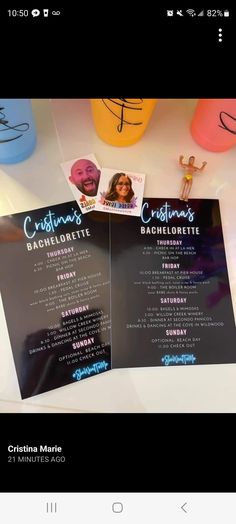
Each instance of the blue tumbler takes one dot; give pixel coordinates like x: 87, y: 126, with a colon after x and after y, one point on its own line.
x: 17, y: 130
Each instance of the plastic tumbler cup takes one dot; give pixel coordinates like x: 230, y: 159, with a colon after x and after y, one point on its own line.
x: 17, y: 130
x: 214, y: 123
x: 121, y: 121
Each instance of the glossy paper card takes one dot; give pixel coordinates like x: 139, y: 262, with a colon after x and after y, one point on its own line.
x: 54, y: 281
x: 82, y: 176
x: 120, y: 192
x: 171, y: 302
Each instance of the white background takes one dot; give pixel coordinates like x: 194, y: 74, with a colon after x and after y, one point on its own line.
x: 90, y: 508
x: 39, y: 181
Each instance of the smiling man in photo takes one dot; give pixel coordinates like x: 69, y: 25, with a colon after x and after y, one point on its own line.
x: 85, y: 176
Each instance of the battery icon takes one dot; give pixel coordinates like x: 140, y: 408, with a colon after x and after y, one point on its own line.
x: 226, y: 13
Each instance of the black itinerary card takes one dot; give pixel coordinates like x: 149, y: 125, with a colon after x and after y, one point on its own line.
x: 170, y: 294
x: 171, y: 302
x: 54, y: 280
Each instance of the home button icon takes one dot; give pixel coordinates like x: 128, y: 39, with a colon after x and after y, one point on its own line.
x: 117, y: 507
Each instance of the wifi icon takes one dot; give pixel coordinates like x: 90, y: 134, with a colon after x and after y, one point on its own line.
x: 191, y: 12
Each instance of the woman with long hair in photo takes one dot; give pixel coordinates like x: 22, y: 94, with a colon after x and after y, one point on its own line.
x: 120, y: 189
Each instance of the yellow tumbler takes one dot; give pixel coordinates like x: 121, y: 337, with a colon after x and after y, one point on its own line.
x: 121, y: 121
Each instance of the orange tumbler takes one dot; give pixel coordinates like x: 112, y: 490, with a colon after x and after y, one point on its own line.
x: 121, y: 121
x: 214, y: 123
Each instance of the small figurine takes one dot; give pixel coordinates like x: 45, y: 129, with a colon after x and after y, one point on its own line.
x: 188, y: 177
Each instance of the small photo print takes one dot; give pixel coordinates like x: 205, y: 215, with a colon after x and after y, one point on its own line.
x: 83, y: 175
x: 120, y: 192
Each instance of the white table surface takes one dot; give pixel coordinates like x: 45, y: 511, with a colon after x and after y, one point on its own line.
x: 39, y: 181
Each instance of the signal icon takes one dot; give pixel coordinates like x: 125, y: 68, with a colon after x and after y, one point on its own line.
x: 191, y: 12
x: 201, y: 13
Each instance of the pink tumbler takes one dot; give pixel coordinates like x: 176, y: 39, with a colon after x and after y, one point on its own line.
x: 214, y: 123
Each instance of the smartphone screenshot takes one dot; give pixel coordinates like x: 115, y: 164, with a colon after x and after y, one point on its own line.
x: 117, y: 262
